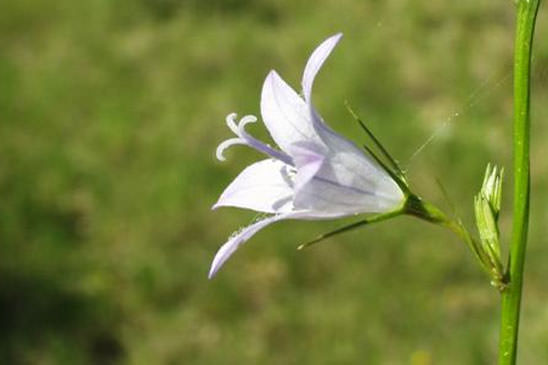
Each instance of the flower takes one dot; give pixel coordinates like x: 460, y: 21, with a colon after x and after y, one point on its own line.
x: 315, y: 174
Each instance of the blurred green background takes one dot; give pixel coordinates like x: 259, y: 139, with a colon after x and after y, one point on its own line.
x: 110, y: 113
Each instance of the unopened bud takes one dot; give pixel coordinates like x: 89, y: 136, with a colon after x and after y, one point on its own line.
x: 487, y: 207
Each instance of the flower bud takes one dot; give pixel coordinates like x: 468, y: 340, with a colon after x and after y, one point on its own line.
x: 487, y: 207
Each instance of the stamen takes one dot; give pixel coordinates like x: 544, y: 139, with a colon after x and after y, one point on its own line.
x: 225, y: 144
x: 258, y: 145
x: 266, y: 149
x: 245, y: 121
x: 247, y: 139
x: 288, y: 174
x: 231, y: 123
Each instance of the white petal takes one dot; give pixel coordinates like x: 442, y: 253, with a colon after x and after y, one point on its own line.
x: 237, y: 239
x: 331, y: 196
x: 315, y: 62
x: 308, y: 158
x: 265, y: 186
x: 348, y: 182
x: 240, y: 237
x: 285, y: 114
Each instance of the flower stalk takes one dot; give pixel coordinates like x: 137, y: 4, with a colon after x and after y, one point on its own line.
x: 511, y: 297
x: 483, y: 252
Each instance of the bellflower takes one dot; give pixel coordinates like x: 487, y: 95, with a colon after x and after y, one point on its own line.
x: 314, y: 174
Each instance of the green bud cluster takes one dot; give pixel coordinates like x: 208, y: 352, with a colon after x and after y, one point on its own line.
x: 487, y: 207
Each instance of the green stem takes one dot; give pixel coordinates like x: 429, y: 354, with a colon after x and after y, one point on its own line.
x: 511, y: 297
x: 421, y: 209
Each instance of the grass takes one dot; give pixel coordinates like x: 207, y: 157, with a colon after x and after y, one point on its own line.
x: 110, y: 115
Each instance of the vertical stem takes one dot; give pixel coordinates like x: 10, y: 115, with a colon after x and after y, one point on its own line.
x: 511, y: 297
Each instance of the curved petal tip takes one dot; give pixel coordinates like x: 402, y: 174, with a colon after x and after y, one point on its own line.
x: 237, y: 239
x: 315, y: 62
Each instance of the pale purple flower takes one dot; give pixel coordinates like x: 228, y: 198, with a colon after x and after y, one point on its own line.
x: 315, y: 174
